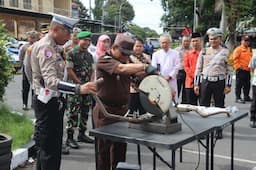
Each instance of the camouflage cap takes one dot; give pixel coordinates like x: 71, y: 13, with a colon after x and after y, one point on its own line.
x: 214, y: 32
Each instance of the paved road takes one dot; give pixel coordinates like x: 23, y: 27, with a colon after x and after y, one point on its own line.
x: 83, y: 159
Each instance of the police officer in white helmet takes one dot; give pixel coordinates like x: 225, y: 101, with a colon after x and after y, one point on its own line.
x: 47, y: 71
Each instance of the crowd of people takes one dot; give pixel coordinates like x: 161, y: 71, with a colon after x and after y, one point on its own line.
x: 63, y: 75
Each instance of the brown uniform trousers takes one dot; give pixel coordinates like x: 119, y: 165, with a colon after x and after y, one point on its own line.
x: 109, y: 153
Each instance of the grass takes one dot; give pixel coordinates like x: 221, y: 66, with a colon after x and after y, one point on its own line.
x: 18, y: 127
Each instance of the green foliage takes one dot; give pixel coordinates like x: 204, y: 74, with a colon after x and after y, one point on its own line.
x: 18, y: 127
x: 112, y: 11
x: 142, y: 33
x: 6, y: 67
x: 82, y: 10
x: 182, y: 12
x: 97, y: 10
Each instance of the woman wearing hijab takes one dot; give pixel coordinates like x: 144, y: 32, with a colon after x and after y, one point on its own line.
x: 102, y: 47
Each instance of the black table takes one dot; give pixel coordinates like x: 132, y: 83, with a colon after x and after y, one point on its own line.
x: 202, y: 127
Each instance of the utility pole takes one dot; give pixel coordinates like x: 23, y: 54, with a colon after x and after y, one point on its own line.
x: 195, y: 17
x: 102, y: 17
x: 120, y: 15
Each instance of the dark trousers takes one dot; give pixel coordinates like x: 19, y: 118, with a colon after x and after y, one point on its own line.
x: 135, y: 104
x: 25, y: 88
x: 253, y: 104
x: 243, y: 79
x: 212, y: 88
x: 109, y: 153
x: 192, y: 98
x: 181, y: 77
x: 48, y: 133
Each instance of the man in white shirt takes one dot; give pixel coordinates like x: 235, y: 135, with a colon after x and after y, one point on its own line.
x: 167, y: 61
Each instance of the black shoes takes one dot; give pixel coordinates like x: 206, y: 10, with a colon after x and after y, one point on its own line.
x: 72, y: 143
x: 253, y: 124
x: 239, y: 100
x: 64, y: 150
x: 25, y: 107
x: 247, y: 99
x: 84, y: 138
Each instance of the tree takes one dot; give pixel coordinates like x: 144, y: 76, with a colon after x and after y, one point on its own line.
x: 6, y: 67
x: 219, y: 13
x: 97, y: 10
x: 82, y: 10
x: 112, y: 11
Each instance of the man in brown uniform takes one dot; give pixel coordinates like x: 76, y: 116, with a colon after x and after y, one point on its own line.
x: 115, y: 69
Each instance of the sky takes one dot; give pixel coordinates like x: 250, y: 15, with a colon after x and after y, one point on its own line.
x: 147, y: 13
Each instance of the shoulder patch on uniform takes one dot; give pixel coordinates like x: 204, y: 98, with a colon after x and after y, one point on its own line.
x: 48, y: 52
x: 107, y: 57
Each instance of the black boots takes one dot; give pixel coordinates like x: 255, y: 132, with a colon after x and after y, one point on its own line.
x: 84, y: 138
x: 64, y: 149
x: 253, y: 120
x: 70, y: 140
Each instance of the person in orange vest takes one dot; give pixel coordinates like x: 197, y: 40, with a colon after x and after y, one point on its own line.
x: 190, y: 59
x: 242, y: 56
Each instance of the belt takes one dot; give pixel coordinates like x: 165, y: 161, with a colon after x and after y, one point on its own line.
x: 214, y: 78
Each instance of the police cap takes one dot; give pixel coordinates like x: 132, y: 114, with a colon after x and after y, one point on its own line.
x: 32, y: 34
x: 67, y: 22
x: 84, y: 34
x: 214, y: 32
x: 76, y: 30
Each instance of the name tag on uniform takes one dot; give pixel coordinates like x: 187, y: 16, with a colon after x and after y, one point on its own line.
x: 45, y: 95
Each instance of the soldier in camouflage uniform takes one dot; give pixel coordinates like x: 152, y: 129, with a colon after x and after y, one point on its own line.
x: 80, y: 68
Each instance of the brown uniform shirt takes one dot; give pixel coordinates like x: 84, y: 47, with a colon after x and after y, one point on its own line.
x: 114, y: 91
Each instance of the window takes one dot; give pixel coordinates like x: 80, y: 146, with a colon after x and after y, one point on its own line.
x: 1, y: 2
x: 27, y: 4
x: 14, y: 3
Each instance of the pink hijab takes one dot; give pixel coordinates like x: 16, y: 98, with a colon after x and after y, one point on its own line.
x: 100, y: 49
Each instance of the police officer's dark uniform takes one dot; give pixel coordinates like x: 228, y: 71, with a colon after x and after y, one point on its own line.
x: 114, y: 93
x: 47, y: 72
x: 213, y: 68
x: 80, y: 62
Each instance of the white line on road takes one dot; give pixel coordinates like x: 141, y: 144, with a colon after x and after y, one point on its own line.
x: 222, y: 156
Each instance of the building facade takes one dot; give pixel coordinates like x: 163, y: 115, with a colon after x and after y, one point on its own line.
x: 21, y: 16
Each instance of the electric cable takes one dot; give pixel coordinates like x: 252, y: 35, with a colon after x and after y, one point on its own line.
x: 198, y: 143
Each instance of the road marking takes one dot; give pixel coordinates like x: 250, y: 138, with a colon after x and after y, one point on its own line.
x: 221, y: 156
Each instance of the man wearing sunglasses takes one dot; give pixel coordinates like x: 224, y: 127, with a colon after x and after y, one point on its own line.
x: 47, y: 72
x: 242, y: 56
x: 114, y: 92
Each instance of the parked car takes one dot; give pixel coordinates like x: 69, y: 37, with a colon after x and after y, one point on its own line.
x: 14, y: 53
x: 12, y: 48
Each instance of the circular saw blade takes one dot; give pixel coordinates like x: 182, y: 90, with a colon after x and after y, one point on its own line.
x: 155, y: 95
